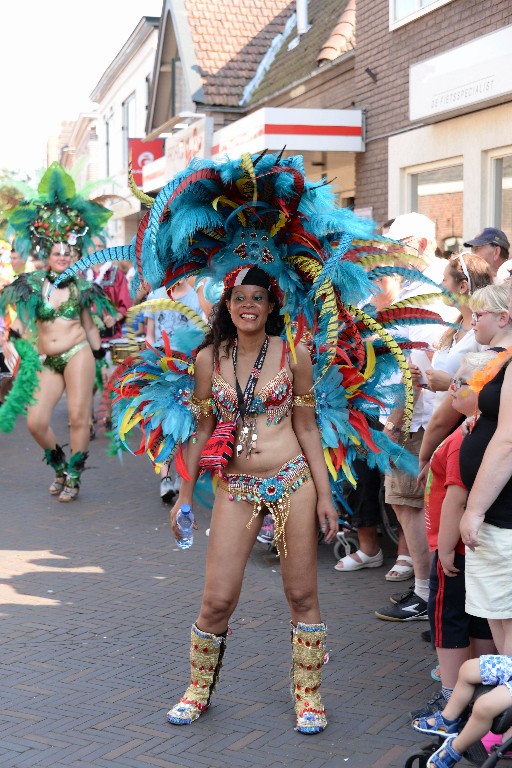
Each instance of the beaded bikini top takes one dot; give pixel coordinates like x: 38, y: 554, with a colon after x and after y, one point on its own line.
x: 69, y: 309
x: 274, y: 399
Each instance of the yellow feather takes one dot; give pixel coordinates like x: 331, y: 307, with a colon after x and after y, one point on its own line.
x: 371, y: 360
x: 330, y: 465
x: 225, y: 201
x: 281, y: 221
x: 128, y: 422
x: 247, y: 183
x: 348, y: 474
x: 157, y: 305
x: 289, y: 335
x: 397, y: 353
x: 139, y: 194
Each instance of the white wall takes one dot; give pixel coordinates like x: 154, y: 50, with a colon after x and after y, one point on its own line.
x: 471, y: 139
x: 131, y: 79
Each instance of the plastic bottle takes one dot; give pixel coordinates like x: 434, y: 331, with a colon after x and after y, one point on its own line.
x: 185, y: 523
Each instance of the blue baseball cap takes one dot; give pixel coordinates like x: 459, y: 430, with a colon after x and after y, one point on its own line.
x: 490, y: 235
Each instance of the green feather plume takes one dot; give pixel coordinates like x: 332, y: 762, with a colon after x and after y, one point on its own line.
x: 23, y: 388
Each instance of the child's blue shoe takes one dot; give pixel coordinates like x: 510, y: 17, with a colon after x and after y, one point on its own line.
x: 444, y: 757
x: 440, y: 726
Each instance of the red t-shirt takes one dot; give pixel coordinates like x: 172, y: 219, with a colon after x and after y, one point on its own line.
x: 444, y: 471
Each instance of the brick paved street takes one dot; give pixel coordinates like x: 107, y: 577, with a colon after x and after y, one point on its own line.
x: 96, y: 604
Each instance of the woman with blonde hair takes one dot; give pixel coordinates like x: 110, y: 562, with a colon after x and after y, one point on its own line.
x: 486, y: 470
x: 464, y: 274
x: 493, y: 300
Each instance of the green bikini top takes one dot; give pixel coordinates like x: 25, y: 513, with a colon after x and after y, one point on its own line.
x: 25, y: 295
x: 69, y: 309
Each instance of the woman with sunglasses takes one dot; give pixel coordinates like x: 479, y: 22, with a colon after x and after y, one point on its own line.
x: 464, y: 274
x: 486, y: 470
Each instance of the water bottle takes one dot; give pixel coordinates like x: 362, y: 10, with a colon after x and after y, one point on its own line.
x: 185, y: 523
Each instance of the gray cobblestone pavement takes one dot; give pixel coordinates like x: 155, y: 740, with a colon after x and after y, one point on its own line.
x: 96, y: 604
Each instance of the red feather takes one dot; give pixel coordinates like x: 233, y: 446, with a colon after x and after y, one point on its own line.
x: 409, y: 313
x: 181, y: 465
x: 203, y: 173
x: 358, y: 421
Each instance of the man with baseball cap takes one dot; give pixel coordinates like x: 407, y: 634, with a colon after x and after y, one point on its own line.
x: 492, y: 245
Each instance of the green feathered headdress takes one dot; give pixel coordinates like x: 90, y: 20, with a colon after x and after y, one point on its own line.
x: 56, y: 213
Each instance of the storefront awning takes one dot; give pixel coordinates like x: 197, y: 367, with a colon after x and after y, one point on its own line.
x: 326, y: 130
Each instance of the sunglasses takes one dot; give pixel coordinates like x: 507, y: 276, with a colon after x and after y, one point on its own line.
x: 475, y: 316
x: 456, y: 384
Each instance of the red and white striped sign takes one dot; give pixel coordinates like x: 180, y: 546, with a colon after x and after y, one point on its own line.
x: 328, y: 130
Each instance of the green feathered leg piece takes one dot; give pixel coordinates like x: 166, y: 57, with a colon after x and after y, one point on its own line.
x: 76, y: 465
x: 56, y: 459
x: 24, y: 386
x: 74, y: 471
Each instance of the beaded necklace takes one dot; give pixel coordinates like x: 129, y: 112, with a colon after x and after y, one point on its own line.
x: 248, y: 433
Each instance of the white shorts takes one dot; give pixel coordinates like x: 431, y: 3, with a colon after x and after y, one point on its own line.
x: 489, y: 574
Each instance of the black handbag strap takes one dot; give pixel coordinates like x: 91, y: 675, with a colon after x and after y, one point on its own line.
x: 245, y: 399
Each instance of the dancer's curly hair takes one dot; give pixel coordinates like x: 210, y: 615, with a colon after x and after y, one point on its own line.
x: 222, y: 328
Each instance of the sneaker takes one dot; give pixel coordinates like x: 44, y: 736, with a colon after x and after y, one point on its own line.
x: 436, y: 704
x: 398, y: 597
x: 167, y: 491
x: 411, y: 608
x: 266, y: 534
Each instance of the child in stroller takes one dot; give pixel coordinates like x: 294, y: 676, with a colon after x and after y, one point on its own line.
x: 489, y: 670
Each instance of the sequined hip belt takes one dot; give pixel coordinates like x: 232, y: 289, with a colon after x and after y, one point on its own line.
x: 271, y: 492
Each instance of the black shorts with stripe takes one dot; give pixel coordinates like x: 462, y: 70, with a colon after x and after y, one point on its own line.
x: 450, y: 625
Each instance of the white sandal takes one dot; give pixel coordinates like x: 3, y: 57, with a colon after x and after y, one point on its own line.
x: 404, y: 571
x: 349, y: 564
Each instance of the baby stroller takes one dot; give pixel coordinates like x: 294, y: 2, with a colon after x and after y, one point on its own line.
x: 477, y: 753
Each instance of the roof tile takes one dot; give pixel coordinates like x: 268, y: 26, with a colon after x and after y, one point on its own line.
x: 239, y: 34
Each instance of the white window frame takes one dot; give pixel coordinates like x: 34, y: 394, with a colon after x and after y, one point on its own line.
x: 412, y: 170
x: 127, y: 103
x: 492, y: 156
x: 397, y: 23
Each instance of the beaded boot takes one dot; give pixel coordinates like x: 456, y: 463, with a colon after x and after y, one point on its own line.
x: 56, y: 459
x: 206, y: 652
x: 308, y: 648
x: 74, y: 471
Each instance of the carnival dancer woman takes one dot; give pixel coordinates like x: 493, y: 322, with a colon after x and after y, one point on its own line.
x: 278, y: 425
x: 278, y: 464
x: 57, y: 321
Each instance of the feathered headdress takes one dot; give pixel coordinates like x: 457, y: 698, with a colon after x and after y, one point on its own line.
x: 215, y: 219
x: 55, y: 213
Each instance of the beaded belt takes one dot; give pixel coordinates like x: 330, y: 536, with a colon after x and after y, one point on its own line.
x: 270, y: 492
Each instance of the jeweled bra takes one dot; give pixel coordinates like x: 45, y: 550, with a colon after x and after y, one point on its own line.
x: 274, y: 399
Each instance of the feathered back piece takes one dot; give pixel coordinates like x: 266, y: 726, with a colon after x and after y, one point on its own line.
x: 215, y: 219
x: 55, y: 213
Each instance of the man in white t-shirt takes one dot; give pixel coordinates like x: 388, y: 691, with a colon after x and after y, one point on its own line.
x: 416, y: 233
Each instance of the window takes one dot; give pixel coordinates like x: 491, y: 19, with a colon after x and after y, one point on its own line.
x: 178, y: 97
x: 108, y: 147
x: 439, y: 194
x: 502, y: 214
x: 128, y: 125
x: 403, y: 11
